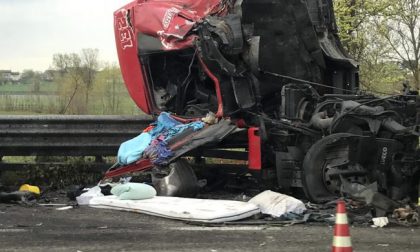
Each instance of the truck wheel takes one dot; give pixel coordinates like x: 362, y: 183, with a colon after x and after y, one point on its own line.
x: 327, y: 156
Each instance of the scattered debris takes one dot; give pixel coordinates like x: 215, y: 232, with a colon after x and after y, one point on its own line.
x: 91, y: 193
x: 380, y: 222
x: 64, y: 208
x: 277, y: 204
x: 370, y: 195
x: 210, y: 118
x: 17, y: 197
x: 74, y: 191
x: 52, y: 205
x: 30, y: 188
x: 406, y: 215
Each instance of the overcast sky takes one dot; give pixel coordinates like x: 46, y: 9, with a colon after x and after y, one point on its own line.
x: 31, y: 31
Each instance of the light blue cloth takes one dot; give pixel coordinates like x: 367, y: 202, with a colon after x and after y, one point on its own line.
x: 131, y: 150
x: 164, y: 122
x: 180, y: 128
x: 134, y: 191
x: 165, y: 127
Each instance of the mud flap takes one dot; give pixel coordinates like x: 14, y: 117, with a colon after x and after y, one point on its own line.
x: 180, y: 182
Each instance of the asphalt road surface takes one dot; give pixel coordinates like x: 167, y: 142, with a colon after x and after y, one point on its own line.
x: 86, y: 229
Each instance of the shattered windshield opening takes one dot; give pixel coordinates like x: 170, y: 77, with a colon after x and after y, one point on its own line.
x: 179, y: 84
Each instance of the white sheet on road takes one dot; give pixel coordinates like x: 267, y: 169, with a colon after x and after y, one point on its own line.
x: 200, y: 210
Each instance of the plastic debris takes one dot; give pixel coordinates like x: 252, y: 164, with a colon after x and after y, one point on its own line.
x: 380, y: 222
x: 64, y: 208
x: 210, y: 118
x: 277, y: 204
x: 30, y: 188
x: 84, y: 198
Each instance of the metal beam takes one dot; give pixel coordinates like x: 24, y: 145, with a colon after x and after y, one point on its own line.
x: 67, y: 135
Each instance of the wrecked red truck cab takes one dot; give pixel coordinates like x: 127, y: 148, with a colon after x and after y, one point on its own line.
x: 277, y: 69
x: 153, y: 27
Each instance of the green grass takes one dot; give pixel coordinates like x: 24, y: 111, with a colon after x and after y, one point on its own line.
x: 33, y: 104
x: 21, y: 113
x: 19, y: 99
x: 44, y: 87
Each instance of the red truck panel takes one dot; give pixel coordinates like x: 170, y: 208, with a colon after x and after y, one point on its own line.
x: 129, y: 62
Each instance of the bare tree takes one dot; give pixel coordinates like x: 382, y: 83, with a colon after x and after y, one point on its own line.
x: 78, y: 71
x: 401, y: 28
x: 62, y: 62
x: 74, y: 75
x: 90, y: 66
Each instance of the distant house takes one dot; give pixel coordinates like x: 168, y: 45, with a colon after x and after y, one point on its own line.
x: 5, y: 76
x: 9, y: 76
x: 48, y: 75
x: 15, y: 77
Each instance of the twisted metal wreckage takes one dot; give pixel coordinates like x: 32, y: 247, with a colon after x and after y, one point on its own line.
x: 278, y: 79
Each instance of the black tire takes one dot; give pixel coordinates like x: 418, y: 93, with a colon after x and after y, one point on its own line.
x: 313, y: 168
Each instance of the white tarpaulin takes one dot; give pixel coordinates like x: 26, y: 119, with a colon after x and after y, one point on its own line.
x: 200, y: 210
x: 277, y: 204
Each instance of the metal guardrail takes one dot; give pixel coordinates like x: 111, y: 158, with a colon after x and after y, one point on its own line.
x: 62, y: 135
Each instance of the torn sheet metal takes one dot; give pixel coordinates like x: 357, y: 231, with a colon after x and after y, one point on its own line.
x: 210, y: 135
x: 371, y: 196
x: 171, y: 21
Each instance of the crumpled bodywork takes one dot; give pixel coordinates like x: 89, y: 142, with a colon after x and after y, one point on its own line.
x: 171, y: 21
x: 229, y: 49
x: 277, y: 67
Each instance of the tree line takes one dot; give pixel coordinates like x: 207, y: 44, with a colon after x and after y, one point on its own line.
x: 384, y: 37
x: 89, y: 86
